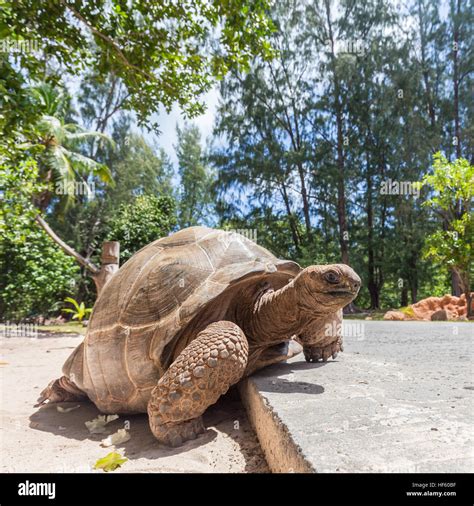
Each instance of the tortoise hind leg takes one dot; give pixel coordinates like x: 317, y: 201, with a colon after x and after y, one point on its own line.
x: 204, y: 370
x: 60, y: 390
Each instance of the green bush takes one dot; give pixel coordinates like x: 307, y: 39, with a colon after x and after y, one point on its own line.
x: 143, y: 221
x: 35, y: 276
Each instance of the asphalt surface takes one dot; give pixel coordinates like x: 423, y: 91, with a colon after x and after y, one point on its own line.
x: 399, y: 399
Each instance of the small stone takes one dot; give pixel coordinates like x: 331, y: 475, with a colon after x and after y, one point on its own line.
x: 214, y: 353
x: 224, y: 354
x: 440, y: 315
x: 196, y: 396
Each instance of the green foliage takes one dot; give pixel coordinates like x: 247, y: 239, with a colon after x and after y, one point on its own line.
x: 164, y: 52
x: 452, y: 184
x: 18, y: 186
x: 303, y: 141
x: 18, y: 109
x: 79, y: 310
x: 60, y: 160
x: 35, y: 274
x: 145, y: 220
x: 452, y: 190
x: 153, y: 178
x: 195, y: 194
x: 312, y: 135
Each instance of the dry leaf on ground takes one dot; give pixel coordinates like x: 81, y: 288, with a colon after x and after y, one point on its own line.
x: 97, y: 426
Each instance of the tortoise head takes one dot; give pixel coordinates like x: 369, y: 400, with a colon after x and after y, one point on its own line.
x: 326, y: 288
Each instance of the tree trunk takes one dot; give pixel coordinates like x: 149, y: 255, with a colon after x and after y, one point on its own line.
x: 456, y: 288
x: 424, y: 67
x: 341, y: 198
x: 109, y: 264
x: 109, y: 259
x: 414, y: 292
x: 291, y: 219
x: 371, y: 284
x: 304, y: 197
x: 93, y: 269
x: 404, y: 296
x: 457, y: 129
x: 413, y: 278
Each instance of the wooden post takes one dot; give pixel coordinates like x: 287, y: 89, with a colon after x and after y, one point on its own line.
x: 109, y: 264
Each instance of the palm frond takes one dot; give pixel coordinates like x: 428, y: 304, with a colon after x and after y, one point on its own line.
x: 53, y: 100
x: 86, y: 165
x: 51, y: 127
x: 81, y: 136
x: 72, y: 301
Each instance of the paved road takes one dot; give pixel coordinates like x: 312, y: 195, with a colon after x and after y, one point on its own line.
x: 399, y: 399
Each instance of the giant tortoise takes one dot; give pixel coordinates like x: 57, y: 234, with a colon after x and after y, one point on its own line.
x: 191, y: 314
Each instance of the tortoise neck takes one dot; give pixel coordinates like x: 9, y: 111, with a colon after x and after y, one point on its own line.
x: 275, y: 315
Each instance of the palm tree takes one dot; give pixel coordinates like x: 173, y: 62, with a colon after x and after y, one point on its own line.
x: 61, y: 163
x: 60, y: 160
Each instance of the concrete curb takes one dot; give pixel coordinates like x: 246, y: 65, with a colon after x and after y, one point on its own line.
x: 399, y: 399
x: 283, y: 455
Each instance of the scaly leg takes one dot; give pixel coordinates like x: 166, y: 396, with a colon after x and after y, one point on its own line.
x: 323, y: 338
x: 204, y: 370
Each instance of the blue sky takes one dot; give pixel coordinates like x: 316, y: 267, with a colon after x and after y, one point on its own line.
x: 168, y: 122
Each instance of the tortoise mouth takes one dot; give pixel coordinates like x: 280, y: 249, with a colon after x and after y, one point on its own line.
x: 342, y: 293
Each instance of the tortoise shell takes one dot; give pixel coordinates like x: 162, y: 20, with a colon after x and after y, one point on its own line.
x: 138, y: 319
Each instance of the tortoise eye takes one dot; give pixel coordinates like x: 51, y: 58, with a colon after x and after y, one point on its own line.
x: 332, y: 277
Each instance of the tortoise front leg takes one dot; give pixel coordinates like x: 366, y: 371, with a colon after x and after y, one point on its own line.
x: 323, y: 338
x: 203, y: 371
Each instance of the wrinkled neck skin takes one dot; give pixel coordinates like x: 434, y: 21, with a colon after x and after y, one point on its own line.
x: 275, y: 316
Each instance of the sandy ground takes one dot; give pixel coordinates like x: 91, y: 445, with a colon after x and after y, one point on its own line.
x: 45, y: 440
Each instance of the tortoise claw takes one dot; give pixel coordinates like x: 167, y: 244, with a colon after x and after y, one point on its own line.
x: 313, y: 353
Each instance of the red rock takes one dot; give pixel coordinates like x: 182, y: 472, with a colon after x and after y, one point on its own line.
x: 449, y: 306
x: 394, y: 315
